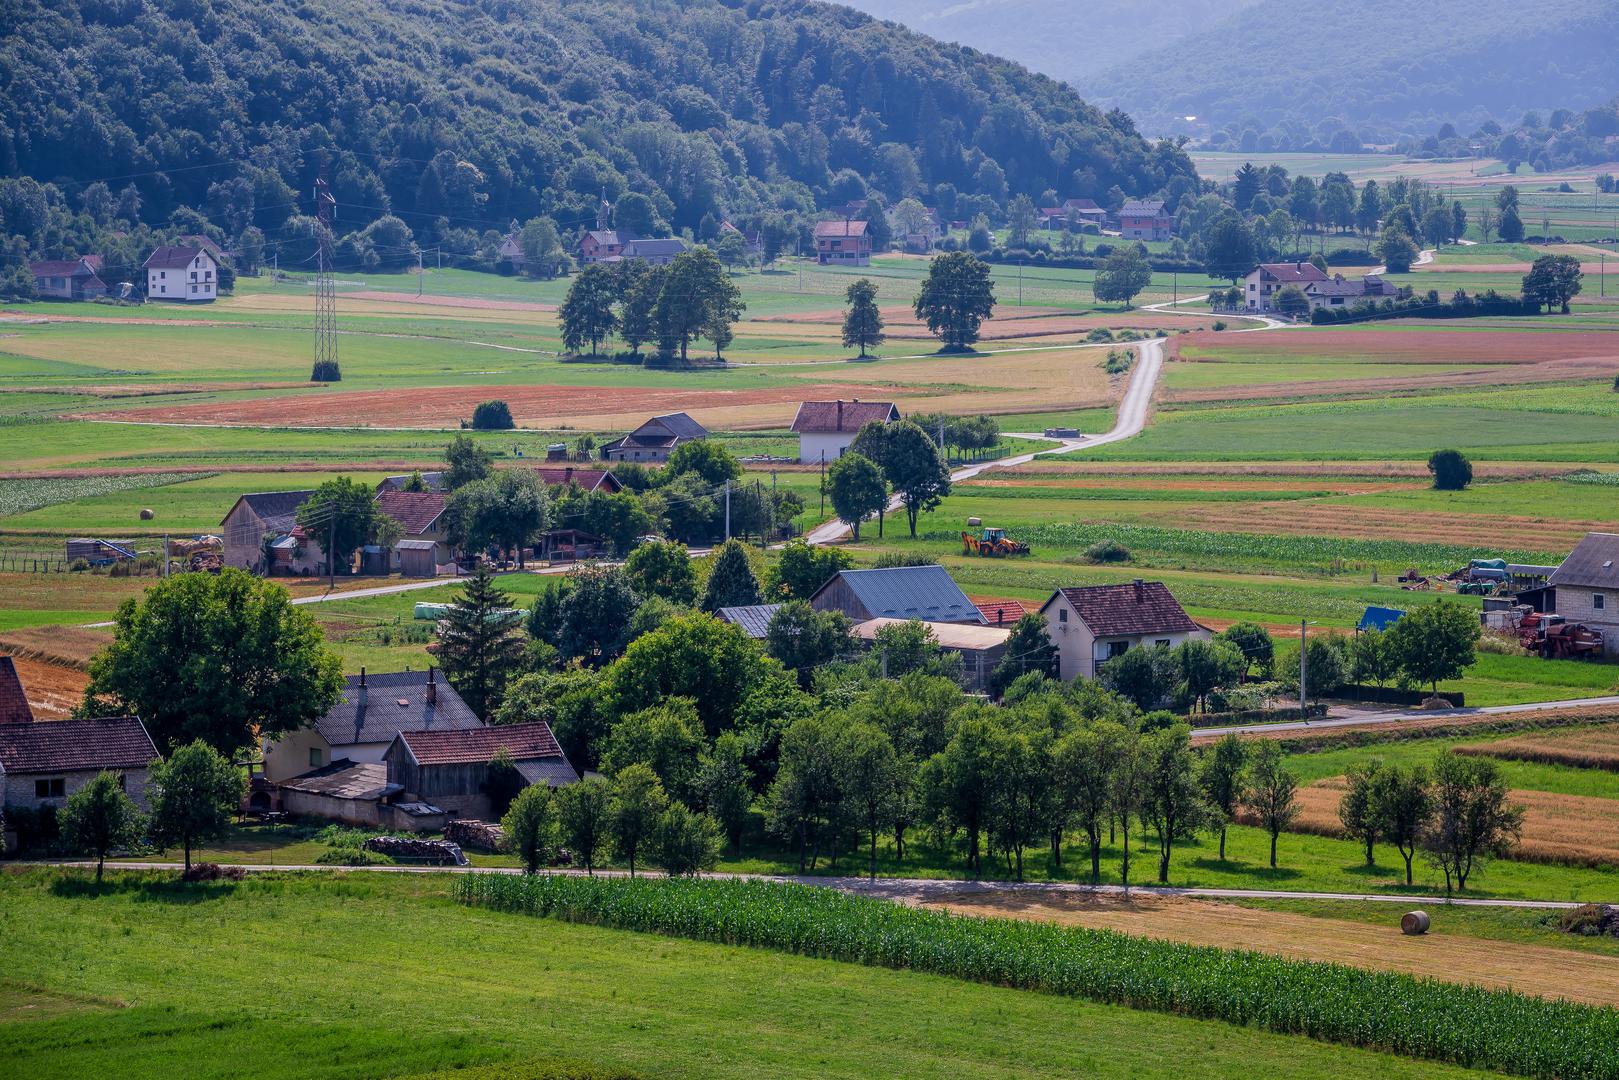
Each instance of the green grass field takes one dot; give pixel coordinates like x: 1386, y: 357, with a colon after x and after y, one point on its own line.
x: 356, y: 975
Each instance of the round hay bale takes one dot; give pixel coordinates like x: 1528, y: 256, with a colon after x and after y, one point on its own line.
x: 975, y: 521
x: 147, y: 513
x: 1414, y: 923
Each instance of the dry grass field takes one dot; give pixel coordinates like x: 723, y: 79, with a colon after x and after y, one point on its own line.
x: 1582, y: 748
x: 1531, y: 969
x: 1576, y: 830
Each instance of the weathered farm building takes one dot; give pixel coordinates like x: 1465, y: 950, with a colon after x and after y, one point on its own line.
x: 927, y: 593
x: 450, y: 769
x: 1587, y: 586
x: 68, y: 279
x: 656, y: 439
x: 42, y: 763
x: 980, y: 647
x: 425, y: 545
x: 273, y: 514
x: 753, y: 619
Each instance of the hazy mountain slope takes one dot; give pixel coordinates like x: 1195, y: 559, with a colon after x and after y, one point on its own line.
x: 1385, y: 63
x: 1065, y: 41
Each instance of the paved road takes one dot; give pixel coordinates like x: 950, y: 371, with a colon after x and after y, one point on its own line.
x: 1363, y: 717
x: 1131, y: 419
x: 904, y: 890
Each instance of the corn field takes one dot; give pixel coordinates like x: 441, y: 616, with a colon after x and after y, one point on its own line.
x: 1422, y: 1018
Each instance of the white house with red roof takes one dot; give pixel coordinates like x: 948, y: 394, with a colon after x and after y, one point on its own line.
x: 182, y: 272
x: 826, y: 428
x: 1093, y: 624
x: 1263, y: 282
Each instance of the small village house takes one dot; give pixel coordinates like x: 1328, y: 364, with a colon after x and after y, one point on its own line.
x: 1341, y: 292
x: 43, y: 762
x: 926, y: 593
x: 602, y: 480
x: 371, y: 711
x: 1092, y: 624
x: 432, y: 481
x: 1587, y: 586
x: 825, y: 429
x: 980, y: 647
x: 181, y: 272
x: 424, y: 545
x: 1263, y: 282
x: 450, y: 769
x: 1085, y: 211
x: 68, y: 279
x: 605, y: 244
x: 261, y: 534
x: 655, y: 440
x: 511, y: 247
x: 752, y: 619
x: 845, y: 242
x: 1145, y: 219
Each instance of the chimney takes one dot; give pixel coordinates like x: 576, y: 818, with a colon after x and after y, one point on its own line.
x: 840, y: 414
x: 432, y: 687
x: 1141, y: 589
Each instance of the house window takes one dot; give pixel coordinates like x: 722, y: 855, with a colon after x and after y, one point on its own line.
x: 314, y: 757
x: 1162, y: 643
x: 1117, y: 648
x: 1597, y: 601
x: 53, y: 788
x: 1062, y: 614
x: 163, y: 274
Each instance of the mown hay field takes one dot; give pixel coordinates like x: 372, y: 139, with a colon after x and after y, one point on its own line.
x: 1583, y: 748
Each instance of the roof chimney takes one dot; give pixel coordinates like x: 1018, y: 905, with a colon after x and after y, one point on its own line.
x: 432, y: 687
x: 840, y: 414
x: 1141, y: 589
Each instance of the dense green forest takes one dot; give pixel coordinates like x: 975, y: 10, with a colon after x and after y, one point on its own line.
x: 1379, y: 67
x: 458, y: 117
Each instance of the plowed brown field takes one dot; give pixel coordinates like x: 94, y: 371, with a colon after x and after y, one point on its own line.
x: 1583, y: 748
x: 1296, y: 518
x: 1576, y: 829
x: 1531, y: 969
x: 52, y: 690
x: 444, y: 406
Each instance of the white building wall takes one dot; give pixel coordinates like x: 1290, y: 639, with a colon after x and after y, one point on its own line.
x: 195, y: 283
x: 832, y: 444
x: 18, y: 789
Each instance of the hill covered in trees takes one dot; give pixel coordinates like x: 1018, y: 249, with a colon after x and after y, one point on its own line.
x: 459, y: 116
x: 1377, y: 67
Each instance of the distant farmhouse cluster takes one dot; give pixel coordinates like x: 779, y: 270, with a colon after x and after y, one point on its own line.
x: 185, y: 272
x: 1263, y: 284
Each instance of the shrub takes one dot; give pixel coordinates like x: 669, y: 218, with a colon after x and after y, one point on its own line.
x: 1450, y: 470
x: 1219, y: 324
x: 207, y: 871
x: 492, y: 416
x: 1588, y: 920
x: 890, y: 559
x: 1101, y: 333
x: 1107, y: 551
x: 352, y: 857
x: 1484, y: 1029
x: 326, y: 371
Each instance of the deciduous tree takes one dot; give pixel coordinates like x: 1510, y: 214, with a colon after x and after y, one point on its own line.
x: 584, y: 818
x: 1472, y: 818
x: 587, y: 313
x: 531, y: 827
x: 1271, y: 791
x: 99, y: 818
x: 863, y: 323
x: 956, y: 298
x: 1224, y: 779
x: 193, y: 795
x: 857, y: 489
x: 1121, y: 276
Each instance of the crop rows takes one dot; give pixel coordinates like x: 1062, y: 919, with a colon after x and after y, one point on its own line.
x: 21, y: 496
x: 1424, y: 1018
x: 1322, y: 553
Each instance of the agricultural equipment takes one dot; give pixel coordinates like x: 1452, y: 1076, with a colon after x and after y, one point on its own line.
x: 1553, y: 638
x: 1413, y: 579
x: 992, y: 543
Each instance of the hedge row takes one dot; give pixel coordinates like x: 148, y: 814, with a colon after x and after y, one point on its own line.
x: 1423, y: 1018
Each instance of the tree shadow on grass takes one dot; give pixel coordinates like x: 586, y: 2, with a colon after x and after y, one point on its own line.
x: 1265, y: 874
x: 143, y: 889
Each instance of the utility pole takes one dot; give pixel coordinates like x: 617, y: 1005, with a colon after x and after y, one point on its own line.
x: 823, y: 483
x: 420, y: 273
x: 331, y: 555
x: 165, y: 554
x: 1020, y: 283
x: 1304, y: 629
x: 798, y: 257
x: 727, y: 509
x: 1175, y: 286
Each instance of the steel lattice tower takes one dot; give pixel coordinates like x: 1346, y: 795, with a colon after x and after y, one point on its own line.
x: 326, y: 369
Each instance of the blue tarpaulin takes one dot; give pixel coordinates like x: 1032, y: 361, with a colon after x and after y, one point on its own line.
x: 1379, y: 618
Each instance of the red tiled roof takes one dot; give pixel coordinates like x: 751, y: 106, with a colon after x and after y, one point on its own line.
x: 814, y: 416
x: 1000, y: 612
x: 417, y: 511
x: 59, y: 268
x: 75, y: 745
x: 589, y: 479
x: 839, y: 230
x: 1144, y: 607
x: 13, y: 702
x: 523, y: 742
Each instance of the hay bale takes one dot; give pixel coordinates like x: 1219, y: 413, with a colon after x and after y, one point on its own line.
x: 1414, y: 923
x: 147, y: 513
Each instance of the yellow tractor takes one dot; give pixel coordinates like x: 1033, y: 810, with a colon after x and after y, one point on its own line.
x: 992, y: 543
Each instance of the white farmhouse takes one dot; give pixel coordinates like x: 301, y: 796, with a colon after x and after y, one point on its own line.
x: 181, y: 272
x: 1093, y: 624
x: 826, y: 428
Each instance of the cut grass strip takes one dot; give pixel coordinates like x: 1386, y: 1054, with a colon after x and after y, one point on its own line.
x: 1421, y: 1018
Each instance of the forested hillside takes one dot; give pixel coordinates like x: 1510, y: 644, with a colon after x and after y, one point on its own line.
x: 461, y: 116
x: 1380, y: 67
x: 1065, y: 41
